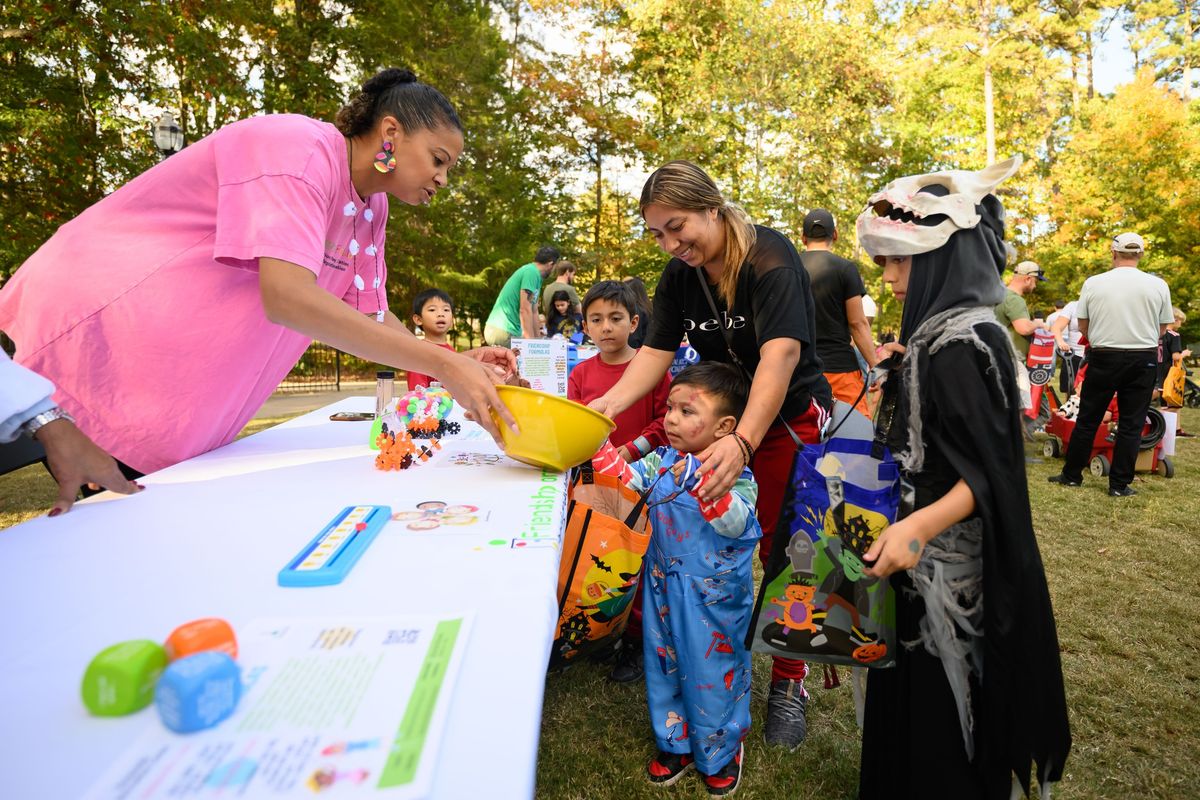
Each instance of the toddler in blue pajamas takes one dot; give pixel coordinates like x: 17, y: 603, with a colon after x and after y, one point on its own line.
x: 697, y: 586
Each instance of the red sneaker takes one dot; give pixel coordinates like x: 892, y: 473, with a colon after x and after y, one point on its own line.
x: 727, y: 778
x: 666, y: 768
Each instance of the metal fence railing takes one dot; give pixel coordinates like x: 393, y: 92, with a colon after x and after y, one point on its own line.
x: 319, y: 369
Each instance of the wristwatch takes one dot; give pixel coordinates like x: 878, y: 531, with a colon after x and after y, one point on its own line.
x: 35, y: 424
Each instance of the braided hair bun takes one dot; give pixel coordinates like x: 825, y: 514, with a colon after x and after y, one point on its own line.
x: 397, y: 92
x: 386, y: 79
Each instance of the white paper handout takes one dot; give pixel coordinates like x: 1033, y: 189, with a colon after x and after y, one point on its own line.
x: 339, y: 707
x: 543, y: 362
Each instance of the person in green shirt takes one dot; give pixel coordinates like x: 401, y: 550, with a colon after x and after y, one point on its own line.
x: 1013, y: 313
x: 516, y: 310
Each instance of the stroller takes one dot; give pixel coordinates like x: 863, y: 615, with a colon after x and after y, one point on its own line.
x: 1041, y: 362
x: 1191, y: 393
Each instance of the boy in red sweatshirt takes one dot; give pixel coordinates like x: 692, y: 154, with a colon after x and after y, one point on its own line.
x: 609, y: 317
x: 433, y: 313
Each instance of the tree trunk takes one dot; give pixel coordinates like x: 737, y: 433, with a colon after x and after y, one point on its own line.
x: 989, y: 111
x: 516, y: 44
x: 1074, y: 85
x: 599, y: 207
x: 985, y: 56
x: 1091, y: 64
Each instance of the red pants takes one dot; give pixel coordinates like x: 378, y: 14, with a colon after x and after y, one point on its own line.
x: 772, y: 469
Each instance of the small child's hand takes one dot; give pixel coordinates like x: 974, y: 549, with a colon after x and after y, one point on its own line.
x: 685, y: 470
x: 623, y: 451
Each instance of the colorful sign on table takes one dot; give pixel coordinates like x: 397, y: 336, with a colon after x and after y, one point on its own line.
x: 334, y: 706
x: 543, y: 362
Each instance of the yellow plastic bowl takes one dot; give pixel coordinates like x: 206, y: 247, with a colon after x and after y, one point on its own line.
x: 556, y: 433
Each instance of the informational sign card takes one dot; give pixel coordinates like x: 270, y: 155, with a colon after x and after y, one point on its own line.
x: 336, y: 707
x: 543, y: 362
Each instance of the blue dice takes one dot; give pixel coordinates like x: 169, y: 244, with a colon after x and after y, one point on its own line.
x: 198, y: 691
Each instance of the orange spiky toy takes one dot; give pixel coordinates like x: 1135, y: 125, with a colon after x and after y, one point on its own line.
x: 398, y: 450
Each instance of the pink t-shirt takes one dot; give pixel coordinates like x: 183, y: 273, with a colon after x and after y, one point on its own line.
x: 145, y: 309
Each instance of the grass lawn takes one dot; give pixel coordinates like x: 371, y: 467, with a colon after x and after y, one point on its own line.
x: 1128, y: 623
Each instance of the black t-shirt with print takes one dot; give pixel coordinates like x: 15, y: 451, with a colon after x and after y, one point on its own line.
x: 773, y: 301
x: 834, y: 280
x: 1168, y: 345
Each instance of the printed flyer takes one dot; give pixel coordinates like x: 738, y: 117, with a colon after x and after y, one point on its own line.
x: 543, y: 362
x: 331, y: 707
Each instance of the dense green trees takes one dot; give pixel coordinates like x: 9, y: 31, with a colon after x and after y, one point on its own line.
x: 569, y: 103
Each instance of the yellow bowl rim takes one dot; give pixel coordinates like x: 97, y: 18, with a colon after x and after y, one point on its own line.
x: 502, y: 388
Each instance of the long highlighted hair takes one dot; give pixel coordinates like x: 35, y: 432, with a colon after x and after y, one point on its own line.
x: 685, y: 186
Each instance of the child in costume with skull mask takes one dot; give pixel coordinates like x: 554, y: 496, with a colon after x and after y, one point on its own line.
x: 978, y: 700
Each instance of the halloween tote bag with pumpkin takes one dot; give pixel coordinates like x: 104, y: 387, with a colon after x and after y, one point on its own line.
x: 816, y: 603
x: 1174, y: 386
x: 603, y: 547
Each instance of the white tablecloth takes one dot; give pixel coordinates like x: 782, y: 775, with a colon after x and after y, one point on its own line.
x: 208, y: 537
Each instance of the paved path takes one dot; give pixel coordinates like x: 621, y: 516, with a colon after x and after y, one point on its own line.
x: 293, y: 404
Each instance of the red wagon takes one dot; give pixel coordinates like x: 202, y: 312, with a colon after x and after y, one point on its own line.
x: 1150, y: 457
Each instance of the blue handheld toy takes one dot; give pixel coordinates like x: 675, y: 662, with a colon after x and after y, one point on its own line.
x: 328, y: 558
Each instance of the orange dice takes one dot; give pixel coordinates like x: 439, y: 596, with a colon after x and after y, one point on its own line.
x: 200, y: 635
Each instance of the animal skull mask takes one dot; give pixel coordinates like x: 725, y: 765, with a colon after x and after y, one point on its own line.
x: 889, y: 226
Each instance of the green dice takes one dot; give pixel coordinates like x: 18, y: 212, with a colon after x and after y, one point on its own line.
x: 121, y: 678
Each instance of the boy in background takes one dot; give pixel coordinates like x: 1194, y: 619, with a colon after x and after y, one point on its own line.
x: 610, y: 315
x: 433, y: 313
x: 697, y: 587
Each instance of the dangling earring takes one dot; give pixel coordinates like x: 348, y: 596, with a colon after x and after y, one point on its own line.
x: 384, y: 160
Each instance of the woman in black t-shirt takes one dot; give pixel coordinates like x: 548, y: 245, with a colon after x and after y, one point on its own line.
x: 762, y: 295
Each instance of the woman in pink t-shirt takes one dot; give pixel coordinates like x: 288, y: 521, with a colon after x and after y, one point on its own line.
x: 170, y: 310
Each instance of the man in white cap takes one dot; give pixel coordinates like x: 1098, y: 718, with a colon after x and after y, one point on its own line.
x: 1122, y: 312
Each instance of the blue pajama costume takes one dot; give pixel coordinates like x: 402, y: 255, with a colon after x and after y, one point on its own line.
x: 697, y: 599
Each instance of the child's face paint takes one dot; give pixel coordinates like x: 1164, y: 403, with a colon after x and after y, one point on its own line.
x: 692, y: 419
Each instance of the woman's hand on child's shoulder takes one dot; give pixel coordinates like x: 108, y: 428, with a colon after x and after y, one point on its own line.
x: 723, y: 461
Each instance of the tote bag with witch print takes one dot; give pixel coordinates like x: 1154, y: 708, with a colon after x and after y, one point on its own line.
x: 603, y: 548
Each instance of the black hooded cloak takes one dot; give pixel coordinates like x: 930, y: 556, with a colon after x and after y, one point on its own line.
x: 969, y: 428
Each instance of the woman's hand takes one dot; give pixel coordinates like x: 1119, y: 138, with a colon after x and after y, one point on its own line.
x: 471, y: 382
x: 603, y: 405
x: 898, y: 547
x: 502, y: 360
x: 724, y: 459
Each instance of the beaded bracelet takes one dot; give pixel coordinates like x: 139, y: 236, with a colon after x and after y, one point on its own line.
x: 747, y: 448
